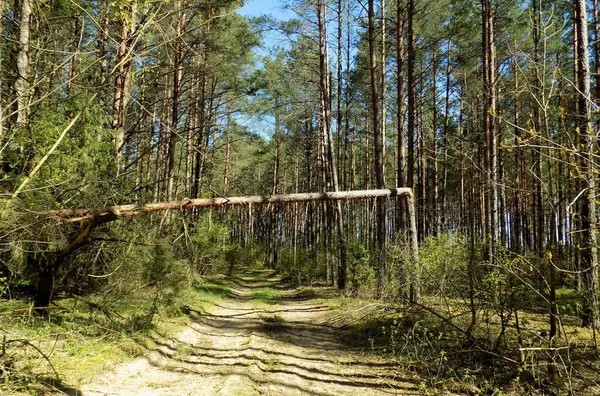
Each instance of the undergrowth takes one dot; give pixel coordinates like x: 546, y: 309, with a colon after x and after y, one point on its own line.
x: 441, y: 350
x: 84, y: 337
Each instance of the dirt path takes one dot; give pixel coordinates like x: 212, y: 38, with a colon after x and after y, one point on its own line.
x: 241, y: 347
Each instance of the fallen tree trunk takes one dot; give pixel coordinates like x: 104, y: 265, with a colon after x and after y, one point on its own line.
x: 90, y: 218
x: 131, y: 210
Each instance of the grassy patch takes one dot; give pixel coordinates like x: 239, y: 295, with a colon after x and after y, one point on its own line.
x: 78, y: 344
x: 488, y: 364
x: 213, y: 291
x: 83, y: 339
x: 209, y: 293
x: 265, y: 295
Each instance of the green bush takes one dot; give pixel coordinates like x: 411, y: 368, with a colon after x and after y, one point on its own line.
x: 445, y: 260
x: 209, y: 248
x: 304, y: 266
x: 361, y: 275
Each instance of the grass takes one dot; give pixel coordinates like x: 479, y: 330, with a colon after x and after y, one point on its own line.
x: 81, y: 341
x: 265, y: 295
x: 421, y: 341
x: 77, y: 345
x: 209, y: 293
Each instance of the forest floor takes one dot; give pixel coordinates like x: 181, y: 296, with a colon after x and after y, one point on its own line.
x: 253, y: 333
x: 264, y: 337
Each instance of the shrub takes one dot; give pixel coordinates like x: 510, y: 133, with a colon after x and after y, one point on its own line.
x: 361, y: 275
x: 445, y: 260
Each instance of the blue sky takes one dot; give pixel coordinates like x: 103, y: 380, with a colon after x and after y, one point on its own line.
x: 264, y: 125
x: 261, y: 7
x: 273, y: 8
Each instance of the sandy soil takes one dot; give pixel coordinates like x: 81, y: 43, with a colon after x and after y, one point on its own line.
x: 240, y: 347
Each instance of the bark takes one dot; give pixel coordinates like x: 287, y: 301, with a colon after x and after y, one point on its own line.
x: 588, y: 251
x: 411, y: 96
x: 176, y: 98
x: 22, y: 81
x: 227, y: 154
x: 378, y: 145
x: 131, y: 210
x: 415, y: 284
x: 401, y: 215
x: 517, y: 222
x: 2, y: 5
x: 421, y: 164
x: 489, y: 130
x: 54, y: 260
x: 539, y: 209
x: 274, y: 210
x: 348, y: 184
x: 199, y: 147
x: 123, y: 77
x: 596, y: 28
x: 190, y: 138
x: 444, y: 199
x: 383, y: 89
x: 328, y: 139
x: 340, y: 123
x: 462, y: 134
x: 435, y: 168
x: 276, y: 158
x: 100, y: 50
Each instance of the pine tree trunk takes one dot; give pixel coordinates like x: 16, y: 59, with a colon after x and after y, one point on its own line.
x: 588, y: 252
x: 401, y: 215
x: 177, y: 74
x: 328, y: 141
x: 435, y: 227
x: 411, y: 97
x: 444, y: 205
x: 2, y: 5
x: 489, y: 130
x: 539, y: 208
x: 22, y: 81
x: 383, y: 90
x: 595, y: 6
x: 378, y: 145
x: 339, y: 153
x: 226, y: 175
x: 517, y: 222
x: 101, y: 37
x: 123, y: 78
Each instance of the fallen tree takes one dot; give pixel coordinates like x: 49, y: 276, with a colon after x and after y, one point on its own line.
x: 118, y: 211
x: 91, y: 218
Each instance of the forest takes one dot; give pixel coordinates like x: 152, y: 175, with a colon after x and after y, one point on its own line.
x: 326, y: 197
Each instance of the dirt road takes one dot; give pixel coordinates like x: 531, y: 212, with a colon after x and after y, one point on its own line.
x: 282, y: 346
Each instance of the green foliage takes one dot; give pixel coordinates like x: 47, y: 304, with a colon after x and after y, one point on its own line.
x: 445, y: 260
x: 361, y: 274
x: 210, y: 249
x: 304, y: 266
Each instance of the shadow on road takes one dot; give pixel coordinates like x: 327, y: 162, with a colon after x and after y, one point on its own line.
x: 287, y: 344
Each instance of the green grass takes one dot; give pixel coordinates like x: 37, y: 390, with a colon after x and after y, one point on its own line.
x: 209, y: 293
x: 82, y: 342
x: 213, y: 291
x: 79, y: 344
x: 265, y: 295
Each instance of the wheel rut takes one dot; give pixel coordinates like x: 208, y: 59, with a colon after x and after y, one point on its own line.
x: 239, y: 347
